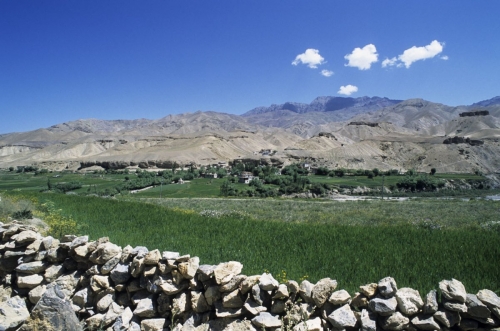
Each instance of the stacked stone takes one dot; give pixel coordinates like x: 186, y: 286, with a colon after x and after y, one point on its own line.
x: 45, y: 280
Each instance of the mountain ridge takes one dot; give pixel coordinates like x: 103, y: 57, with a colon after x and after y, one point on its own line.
x: 404, y: 134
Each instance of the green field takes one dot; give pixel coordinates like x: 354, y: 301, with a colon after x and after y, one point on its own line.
x: 204, y: 188
x: 416, y: 242
x: 419, y: 241
x: 195, y: 188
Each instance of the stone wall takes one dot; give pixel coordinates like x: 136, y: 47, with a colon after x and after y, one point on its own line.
x: 74, y: 283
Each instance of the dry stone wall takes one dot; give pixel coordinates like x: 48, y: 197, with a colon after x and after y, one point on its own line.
x: 77, y: 284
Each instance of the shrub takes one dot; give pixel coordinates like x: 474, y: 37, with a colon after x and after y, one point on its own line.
x: 66, y: 187
x: 22, y: 214
x: 419, y: 183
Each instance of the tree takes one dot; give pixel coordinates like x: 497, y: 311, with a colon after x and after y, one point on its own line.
x: 11, y: 169
x: 49, y: 184
x: 224, y: 188
x: 322, y: 171
x: 433, y: 171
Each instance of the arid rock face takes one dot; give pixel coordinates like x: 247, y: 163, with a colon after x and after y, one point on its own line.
x: 142, y: 289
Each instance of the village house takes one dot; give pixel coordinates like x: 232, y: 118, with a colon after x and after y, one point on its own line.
x: 246, y: 177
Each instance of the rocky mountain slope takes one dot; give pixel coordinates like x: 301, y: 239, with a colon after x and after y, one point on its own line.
x: 365, y: 133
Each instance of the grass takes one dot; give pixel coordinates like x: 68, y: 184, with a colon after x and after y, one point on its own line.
x: 356, y: 180
x: 354, y: 245
x: 201, y: 187
x: 441, y: 213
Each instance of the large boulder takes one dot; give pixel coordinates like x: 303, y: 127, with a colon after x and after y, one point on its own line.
x: 422, y: 322
x: 431, y: 304
x: 387, y: 287
x: 368, y: 320
x: 453, y: 290
x: 382, y: 306
x: 13, y: 313
x: 53, y: 312
x: 409, y: 301
x: 323, y: 290
x: 267, y: 282
x: 225, y: 271
x: 342, y: 318
x: 394, y: 322
x: 266, y: 320
x: 476, y: 308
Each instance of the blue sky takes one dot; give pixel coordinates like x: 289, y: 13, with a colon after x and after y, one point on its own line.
x: 120, y: 59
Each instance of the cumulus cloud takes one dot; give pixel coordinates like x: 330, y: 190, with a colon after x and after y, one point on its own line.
x: 347, y: 90
x: 310, y: 57
x: 362, y: 58
x: 414, y: 53
x: 389, y: 62
x: 326, y: 73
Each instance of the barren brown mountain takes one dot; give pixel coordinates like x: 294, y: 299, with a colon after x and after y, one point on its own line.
x: 334, y: 132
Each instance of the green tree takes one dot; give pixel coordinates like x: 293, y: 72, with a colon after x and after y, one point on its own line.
x: 433, y: 171
x: 225, y: 188
x: 11, y: 169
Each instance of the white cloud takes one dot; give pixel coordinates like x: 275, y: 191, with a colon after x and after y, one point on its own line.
x: 444, y: 57
x: 421, y: 53
x: 389, y: 62
x: 310, y: 57
x: 362, y: 58
x: 347, y: 90
x: 326, y: 73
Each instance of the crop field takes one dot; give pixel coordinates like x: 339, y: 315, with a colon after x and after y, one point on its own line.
x: 200, y: 187
x: 417, y: 242
x: 430, y: 213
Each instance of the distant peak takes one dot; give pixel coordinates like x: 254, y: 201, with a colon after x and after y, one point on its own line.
x: 490, y: 102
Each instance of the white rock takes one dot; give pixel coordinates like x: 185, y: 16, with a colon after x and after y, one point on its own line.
x: 322, y: 290
x: 36, y: 293
x: 383, y: 307
x: 387, y: 287
x: 188, y: 269
x: 425, y: 323
x: 225, y: 271
x: 395, y: 322
x: 340, y: 297
x: 309, y: 325
x: 267, y: 282
x: 145, y: 307
x: 342, y: 317
x: 409, y: 301
x: 13, y: 313
x: 266, y: 320
x: 153, y: 324
x: 30, y: 281
x: 453, y: 290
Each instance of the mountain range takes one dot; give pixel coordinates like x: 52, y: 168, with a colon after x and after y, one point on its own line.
x: 365, y: 132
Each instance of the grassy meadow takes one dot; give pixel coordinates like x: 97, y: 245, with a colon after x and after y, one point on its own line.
x: 419, y: 241
x: 359, y: 242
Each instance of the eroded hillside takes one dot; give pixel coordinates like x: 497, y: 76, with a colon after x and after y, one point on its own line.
x: 366, y: 133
